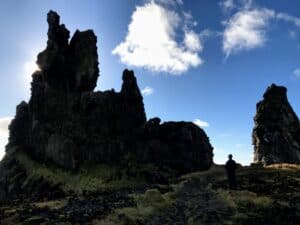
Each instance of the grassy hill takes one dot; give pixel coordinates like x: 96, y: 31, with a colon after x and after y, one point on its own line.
x: 265, y: 195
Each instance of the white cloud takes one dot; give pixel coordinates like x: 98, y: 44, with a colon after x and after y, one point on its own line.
x: 227, y: 5
x: 292, y: 34
x: 147, y: 91
x: 4, y: 122
x: 247, y: 4
x: 247, y: 27
x: 289, y: 18
x: 151, y: 41
x: 200, y: 123
x: 188, y: 20
x: 206, y: 34
x: 230, y: 5
x: 246, y: 30
x: 296, y: 72
x: 192, y: 41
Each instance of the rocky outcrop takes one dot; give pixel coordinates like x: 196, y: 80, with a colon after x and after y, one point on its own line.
x: 66, y: 124
x: 276, y: 135
x: 69, y: 66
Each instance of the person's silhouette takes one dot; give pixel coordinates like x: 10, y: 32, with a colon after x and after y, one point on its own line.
x: 230, y: 168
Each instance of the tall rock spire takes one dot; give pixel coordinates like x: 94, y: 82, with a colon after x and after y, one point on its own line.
x: 276, y: 135
x: 69, y: 67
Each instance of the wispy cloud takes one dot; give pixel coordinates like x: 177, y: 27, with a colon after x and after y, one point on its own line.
x: 288, y: 18
x: 296, y: 72
x: 147, y: 91
x: 206, y: 33
x: 292, y: 34
x: 169, y: 2
x: 150, y: 42
x: 248, y: 24
x: 227, y: 5
x: 4, y: 122
x: 200, y: 123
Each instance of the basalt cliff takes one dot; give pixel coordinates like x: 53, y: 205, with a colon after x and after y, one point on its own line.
x: 276, y: 135
x: 68, y: 125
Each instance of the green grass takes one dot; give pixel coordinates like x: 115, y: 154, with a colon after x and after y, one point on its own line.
x: 264, y: 197
x: 244, y: 200
x: 88, y: 178
x: 152, y: 202
x: 265, y: 194
x: 57, y: 204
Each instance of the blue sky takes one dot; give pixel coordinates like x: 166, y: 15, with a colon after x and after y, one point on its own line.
x: 204, y: 61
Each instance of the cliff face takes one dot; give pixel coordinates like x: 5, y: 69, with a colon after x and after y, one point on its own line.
x: 276, y: 135
x: 66, y: 123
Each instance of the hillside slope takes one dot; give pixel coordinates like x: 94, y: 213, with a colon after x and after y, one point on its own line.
x: 266, y: 195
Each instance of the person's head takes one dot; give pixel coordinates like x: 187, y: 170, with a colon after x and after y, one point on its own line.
x: 229, y: 156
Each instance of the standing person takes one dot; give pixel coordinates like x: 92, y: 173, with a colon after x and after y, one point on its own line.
x: 230, y: 168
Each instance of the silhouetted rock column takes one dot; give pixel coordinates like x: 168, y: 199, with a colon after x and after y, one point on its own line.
x: 83, y: 61
x: 67, y: 124
x: 52, y: 61
x: 132, y: 95
x: 276, y: 135
x: 20, y: 125
x: 69, y: 67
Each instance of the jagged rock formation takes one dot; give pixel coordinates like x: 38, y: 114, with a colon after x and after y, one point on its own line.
x: 276, y: 135
x: 68, y: 124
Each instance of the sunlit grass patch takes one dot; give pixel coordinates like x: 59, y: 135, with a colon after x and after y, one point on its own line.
x: 249, y: 199
x: 147, y: 204
x: 284, y: 166
x: 152, y: 202
x: 57, y: 204
x: 226, y: 198
x: 215, y: 171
